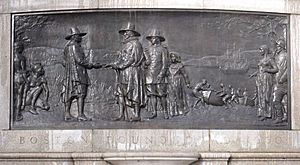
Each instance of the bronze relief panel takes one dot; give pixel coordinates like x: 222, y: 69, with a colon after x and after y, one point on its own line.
x: 151, y: 69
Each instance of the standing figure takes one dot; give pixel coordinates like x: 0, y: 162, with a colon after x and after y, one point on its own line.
x: 264, y: 82
x: 130, y: 78
x: 178, y: 79
x: 77, y: 79
x: 281, y: 82
x: 19, y: 80
x: 36, y: 84
x: 157, y: 64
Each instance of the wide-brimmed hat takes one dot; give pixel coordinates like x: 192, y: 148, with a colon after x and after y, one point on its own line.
x: 74, y: 31
x: 129, y: 27
x: 155, y: 33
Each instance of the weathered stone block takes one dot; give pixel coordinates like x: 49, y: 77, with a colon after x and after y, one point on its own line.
x: 4, y: 6
x: 254, y: 141
x: 46, y: 5
x: 31, y: 5
x: 293, y: 6
x: 253, y: 5
x: 150, y: 140
x: 40, y: 162
x: 5, y: 25
x: 46, y: 141
x: 191, y: 4
x: 76, y: 4
x: 295, y: 68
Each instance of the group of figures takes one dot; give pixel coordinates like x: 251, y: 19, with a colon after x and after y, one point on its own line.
x: 150, y: 78
x: 225, y: 96
x: 272, y: 83
x: 29, y: 84
x: 144, y: 77
x: 270, y: 95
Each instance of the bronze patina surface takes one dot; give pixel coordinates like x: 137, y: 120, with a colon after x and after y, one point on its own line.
x: 151, y: 69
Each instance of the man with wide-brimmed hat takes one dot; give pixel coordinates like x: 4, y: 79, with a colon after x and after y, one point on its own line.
x: 281, y: 82
x: 157, y: 64
x: 77, y: 79
x: 129, y: 89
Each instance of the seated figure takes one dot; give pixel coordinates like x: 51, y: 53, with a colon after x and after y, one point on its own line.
x: 35, y: 86
x: 198, y: 90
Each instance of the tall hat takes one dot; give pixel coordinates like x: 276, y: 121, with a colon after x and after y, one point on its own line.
x: 155, y: 33
x: 129, y: 27
x: 74, y: 31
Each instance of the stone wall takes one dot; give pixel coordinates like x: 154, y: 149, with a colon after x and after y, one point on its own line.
x: 145, y: 146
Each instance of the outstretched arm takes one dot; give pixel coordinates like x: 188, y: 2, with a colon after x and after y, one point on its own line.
x: 76, y: 52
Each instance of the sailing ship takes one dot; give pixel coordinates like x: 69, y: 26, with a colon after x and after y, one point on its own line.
x: 233, y: 63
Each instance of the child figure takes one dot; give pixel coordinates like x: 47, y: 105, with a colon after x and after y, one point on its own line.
x: 36, y: 84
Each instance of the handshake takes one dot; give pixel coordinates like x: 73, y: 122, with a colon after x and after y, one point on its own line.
x: 99, y: 65
x: 92, y: 65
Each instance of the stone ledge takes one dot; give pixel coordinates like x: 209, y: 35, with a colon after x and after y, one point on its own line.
x: 216, y: 158
x: 276, y: 6
x: 152, y: 155
x: 264, y: 158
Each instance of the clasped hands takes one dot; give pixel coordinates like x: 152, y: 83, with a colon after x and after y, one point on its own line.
x: 99, y: 65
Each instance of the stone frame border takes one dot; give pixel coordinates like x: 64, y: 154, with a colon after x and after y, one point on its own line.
x: 9, y: 7
x: 220, y: 145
